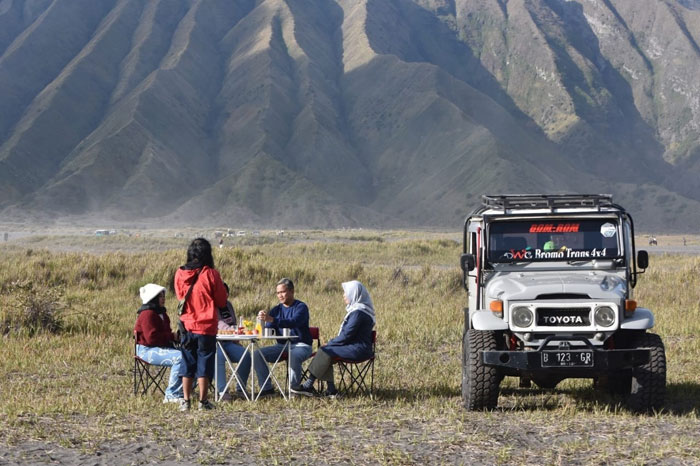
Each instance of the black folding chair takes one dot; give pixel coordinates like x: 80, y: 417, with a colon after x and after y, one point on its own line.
x: 147, y: 376
x: 354, y: 373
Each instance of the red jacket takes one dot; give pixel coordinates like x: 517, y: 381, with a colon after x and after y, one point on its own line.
x: 208, y: 294
x: 151, y: 330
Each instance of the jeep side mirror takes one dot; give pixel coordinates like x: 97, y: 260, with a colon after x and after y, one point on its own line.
x: 642, y: 259
x: 466, y: 261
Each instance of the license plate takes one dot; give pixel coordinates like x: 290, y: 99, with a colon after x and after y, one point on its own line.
x: 576, y: 358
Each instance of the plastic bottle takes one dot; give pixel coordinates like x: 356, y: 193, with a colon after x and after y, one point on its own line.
x: 258, y: 326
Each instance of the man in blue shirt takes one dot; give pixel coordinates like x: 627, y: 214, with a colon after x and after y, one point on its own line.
x: 292, y: 314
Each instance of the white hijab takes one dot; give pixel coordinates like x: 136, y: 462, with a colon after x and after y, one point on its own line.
x: 359, y: 299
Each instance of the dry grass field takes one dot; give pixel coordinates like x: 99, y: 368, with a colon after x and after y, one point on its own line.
x: 67, y: 396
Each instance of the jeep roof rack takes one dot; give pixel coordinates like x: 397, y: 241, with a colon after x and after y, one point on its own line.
x: 547, y: 201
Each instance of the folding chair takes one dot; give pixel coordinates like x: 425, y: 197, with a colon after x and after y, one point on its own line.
x: 353, y: 374
x: 315, y: 336
x: 147, y: 376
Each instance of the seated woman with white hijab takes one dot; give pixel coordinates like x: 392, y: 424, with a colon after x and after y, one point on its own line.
x: 354, y: 340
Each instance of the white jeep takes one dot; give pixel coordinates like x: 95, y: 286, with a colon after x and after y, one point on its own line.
x: 550, y: 281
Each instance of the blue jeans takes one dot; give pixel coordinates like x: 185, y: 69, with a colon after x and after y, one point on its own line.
x: 235, y: 353
x: 169, y: 357
x: 198, y: 362
x: 299, y: 353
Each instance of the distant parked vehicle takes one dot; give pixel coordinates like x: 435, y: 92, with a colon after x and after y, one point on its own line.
x: 102, y: 232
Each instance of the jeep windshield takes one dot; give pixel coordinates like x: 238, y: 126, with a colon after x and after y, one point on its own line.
x: 551, y: 239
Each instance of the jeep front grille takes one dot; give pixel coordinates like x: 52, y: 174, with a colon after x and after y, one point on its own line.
x: 563, y: 317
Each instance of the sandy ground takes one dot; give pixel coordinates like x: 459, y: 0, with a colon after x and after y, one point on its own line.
x: 34, y: 452
x: 83, y: 239
x: 502, y: 437
x: 671, y: 249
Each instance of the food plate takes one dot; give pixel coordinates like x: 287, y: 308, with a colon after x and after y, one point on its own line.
x: 235, y: 336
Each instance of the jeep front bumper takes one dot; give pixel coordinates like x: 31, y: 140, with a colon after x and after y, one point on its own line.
x: 564, y: 359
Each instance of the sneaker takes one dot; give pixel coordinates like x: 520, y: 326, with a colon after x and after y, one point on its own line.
x: 333, y: 394
x: 302, y: 390
x: 184, y: 404
x: 205, y: 405
x: 168, y: 399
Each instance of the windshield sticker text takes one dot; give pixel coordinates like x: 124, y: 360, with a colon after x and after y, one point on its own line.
x: 527, y: 254
x: 554, y: 227
x: 523, y: 254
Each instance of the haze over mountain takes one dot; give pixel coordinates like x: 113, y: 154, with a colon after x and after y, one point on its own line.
x: 327, y: 113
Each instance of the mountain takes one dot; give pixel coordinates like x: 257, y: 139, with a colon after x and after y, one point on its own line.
x: 310, y: 113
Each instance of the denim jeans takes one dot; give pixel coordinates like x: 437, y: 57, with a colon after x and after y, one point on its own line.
x: 299, y: 353
x: 235, y: 352
x: 169, y: 357
x: 198, y: 362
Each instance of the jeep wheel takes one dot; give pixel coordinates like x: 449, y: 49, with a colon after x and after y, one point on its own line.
x: 648, y: 388
x: 480, y: 383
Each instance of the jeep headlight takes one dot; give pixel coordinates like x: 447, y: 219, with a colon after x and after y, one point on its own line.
x: 604, y: 316
x: 522, y: 316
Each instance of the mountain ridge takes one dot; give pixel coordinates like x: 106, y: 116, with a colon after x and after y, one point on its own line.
x: 392, y: 113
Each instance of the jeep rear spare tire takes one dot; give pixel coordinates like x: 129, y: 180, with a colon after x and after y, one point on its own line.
x: 480, y: 383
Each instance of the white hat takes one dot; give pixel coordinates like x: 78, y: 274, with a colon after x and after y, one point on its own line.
x: 150, y: 291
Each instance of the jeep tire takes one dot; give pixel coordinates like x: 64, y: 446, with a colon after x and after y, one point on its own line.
x: 480, y: 383
x: 648, y: 387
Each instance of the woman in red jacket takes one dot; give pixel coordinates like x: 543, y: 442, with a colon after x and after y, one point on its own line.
x: 200, y: 319
x: 154, y: 338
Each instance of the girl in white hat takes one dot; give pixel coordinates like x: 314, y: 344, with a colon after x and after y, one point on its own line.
x: 154, y: 338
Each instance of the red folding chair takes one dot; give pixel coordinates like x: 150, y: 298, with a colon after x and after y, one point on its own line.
x: 147, y: 376
x: 354, y: 373
x: 315, y: 336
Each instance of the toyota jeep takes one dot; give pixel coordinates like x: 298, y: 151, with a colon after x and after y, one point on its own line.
x: 549, y: 281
